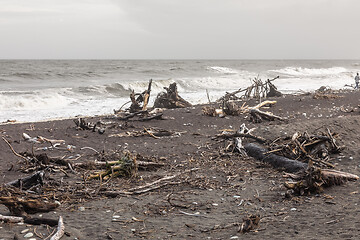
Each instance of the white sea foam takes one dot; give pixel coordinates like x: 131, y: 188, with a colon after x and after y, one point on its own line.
x: 299, y: 71
x: 224, y: 70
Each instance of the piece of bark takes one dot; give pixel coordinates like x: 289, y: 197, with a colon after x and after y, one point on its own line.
x: 274, y: 160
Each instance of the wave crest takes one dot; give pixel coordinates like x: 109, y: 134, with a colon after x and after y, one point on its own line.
x: 299, y: 71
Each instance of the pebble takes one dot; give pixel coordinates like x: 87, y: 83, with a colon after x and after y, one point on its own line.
x: 351, y: 158
x: 81, y: 209
x: 116, y: 216
x: 32, y: 239
x: 25, y: 231
x: 215, y: 204
x: 28, y: 235
x: 236, y: 196
x: 234, y: 237
x: 293, y: 209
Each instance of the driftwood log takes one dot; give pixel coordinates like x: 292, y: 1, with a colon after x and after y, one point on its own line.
x: 274, y: 160
x: 23, y: 207
x: 170, y: 98
x: 313, y: 179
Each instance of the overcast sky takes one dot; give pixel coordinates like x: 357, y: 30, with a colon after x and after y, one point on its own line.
x: 180, y: 29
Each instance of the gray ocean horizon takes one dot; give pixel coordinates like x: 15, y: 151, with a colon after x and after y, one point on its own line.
x: 33, y: 90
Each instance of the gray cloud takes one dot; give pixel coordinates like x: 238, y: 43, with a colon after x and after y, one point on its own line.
x: 180, y: 29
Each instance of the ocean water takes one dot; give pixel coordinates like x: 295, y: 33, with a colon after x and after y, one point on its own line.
x: 34, y: 90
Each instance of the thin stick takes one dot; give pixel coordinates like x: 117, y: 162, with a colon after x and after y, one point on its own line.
x: 208, y: 97
x: 152, y: 135
x: 12, y: 149
x: 90, y: 149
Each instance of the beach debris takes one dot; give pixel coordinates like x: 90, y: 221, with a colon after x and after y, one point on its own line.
x: 139, y: 101
x: 152, y: 132
x: 316, y: 148
x: 28, y: 182
x: 326, y: 93
x: 22, y: 207
x: 81, y: 124
x: 162, y: 182
x: 231, y: 108
x: 250, y: 223
x: 170, y: 98
x: 122, y: 164
x: 314, y: 180
x: 40, y: 139
x: 60, y: 230
x: 142, y: 116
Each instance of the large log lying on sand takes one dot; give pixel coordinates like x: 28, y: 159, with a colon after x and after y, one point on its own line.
x: 331, y: 177
x: 274, y: 160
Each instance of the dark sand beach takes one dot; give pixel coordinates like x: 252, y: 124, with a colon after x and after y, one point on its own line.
x: 211, y: 191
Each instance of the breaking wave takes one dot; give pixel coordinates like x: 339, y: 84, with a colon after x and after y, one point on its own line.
x: 223, y: 70
x: 299, y: 71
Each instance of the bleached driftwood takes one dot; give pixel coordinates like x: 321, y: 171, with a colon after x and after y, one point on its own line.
x: 60, y: 230
x: 11, y: 219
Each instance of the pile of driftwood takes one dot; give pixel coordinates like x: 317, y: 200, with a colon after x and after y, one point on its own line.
x: 139, y: 110
x: 170, y: 98
x: 316, y: 148
x: 231, y: 108
x: 296, y: 155
x: 258, y: 89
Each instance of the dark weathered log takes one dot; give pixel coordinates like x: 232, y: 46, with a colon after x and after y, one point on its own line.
x: 39, y: 221
x: 29, y: 181
x: 274, y: 160
x: 273, y: 92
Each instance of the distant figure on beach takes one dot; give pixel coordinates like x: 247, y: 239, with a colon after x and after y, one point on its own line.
x: 357, y: 79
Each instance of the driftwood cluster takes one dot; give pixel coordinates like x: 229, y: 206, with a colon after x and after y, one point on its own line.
x: 296, y: 155
x: 258, y: 89
x: 228, y: 104
x: 231, y: 108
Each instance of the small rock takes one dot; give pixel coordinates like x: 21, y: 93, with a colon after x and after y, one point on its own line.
x: 25, y: 231
x: 116, y: 216
x: 293, y: 209
x: 215, y: 204
x: 28, y: 235
x: 234, y: 237
x: 236, y: 196
x: 81, y: 209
